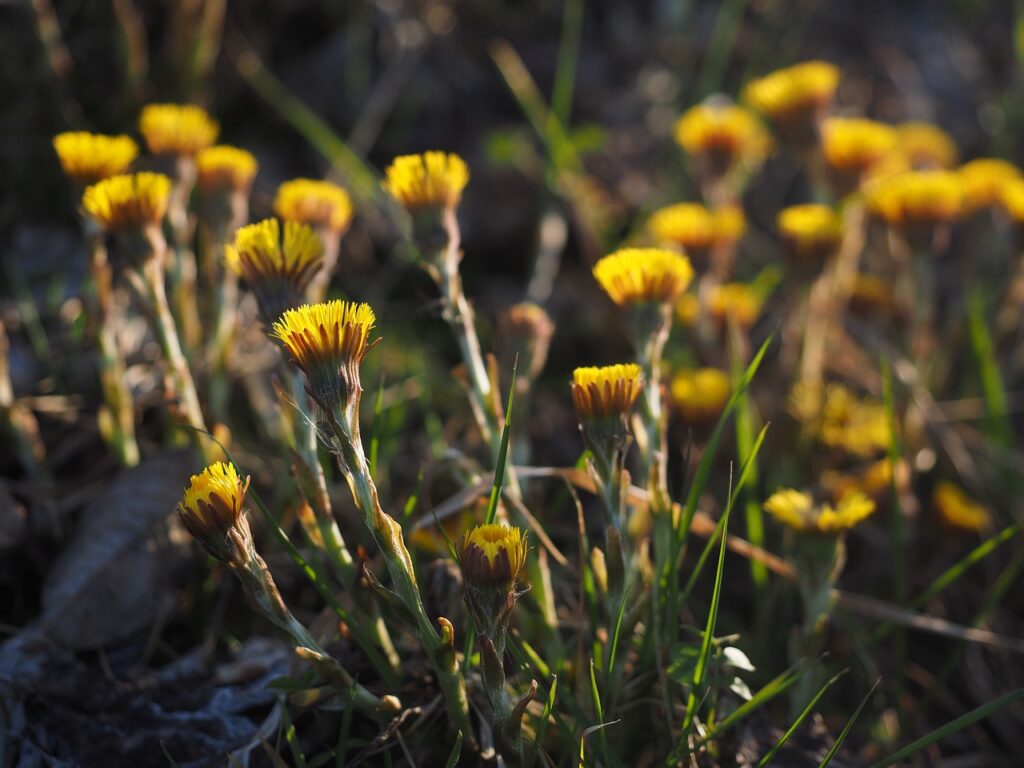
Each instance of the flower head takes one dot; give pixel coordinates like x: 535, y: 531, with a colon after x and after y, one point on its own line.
x: 610, y: 391
x: 983, y: 179
x: 177, y: 129
x: 926, y: 145
x: 492, y: 555
x: 792, y: 98
x: 858, y: 426
x: 854, y: 144
x: 328, y: 341
x: 730, y: 223
x: 810, y: 232
x: 429, y: 180
x: 639, y: 275
x: 527, y: 330
x: 1011, y: 197
x: 722, y: 134
x: 212, y: 510
x: 958, y: 510
x: 736, y: 302
x: 916, y: 198
x: 798, y: 510
x: 278, y: 269
x: 91, y: 157
x: 700, y: 394
x: 129, y: 202
x: 314, y: 202
x: 225, y: 168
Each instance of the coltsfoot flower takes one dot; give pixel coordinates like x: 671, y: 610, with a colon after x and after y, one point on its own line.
x: 917, y: 199
x: 926, y: 146
x: 644, y: 275
x: 700, y: 395
x: 793, y: 98
x: 983, y: 179
x: 874, y: 481
x: 212, y: 510
x: 957, y: 510
x: 177, y: 129
x: 526, y: 329
x: 607, y: 392
x: 91, y: 157
x: 224, y: 168
x: 720, y: 135
x: 851, y: 145
x: 429, y: 180
x: 277, y: 269
x: 697, y: 229
x: 858, y: 426
x: 128, y: 202
x: 492, y: 555
x: 798, y: 510
x: 1011, y: 197
x: 314, y: 202
x: 735, y: 302
x: 811, y: 232
x: 328, y: 341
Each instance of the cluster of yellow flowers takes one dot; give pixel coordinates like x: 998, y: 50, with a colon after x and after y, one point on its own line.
x: 798, y: 510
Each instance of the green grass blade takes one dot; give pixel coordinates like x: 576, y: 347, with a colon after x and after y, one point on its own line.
x: 292, y: 737
x: 749, y: 468
x: 766, y: 760
x: 499, y: 469
x: 453, y: 756
x: 363, y: 181
x: 752, y: 513
x: 980, y: 713
x: 319, y: 581
x: 848, y: 727
x: 568, y: 54
x: 723, y: 42
x: 700, y: 670
x: 999, y: 429
x: 776, y: 687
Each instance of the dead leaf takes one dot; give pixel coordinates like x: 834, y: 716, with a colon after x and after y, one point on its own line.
x: 107, y: 582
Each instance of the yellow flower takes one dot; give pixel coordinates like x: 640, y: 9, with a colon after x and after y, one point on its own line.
x: 225, y: 168
x: 875, y: 481
x: 797, y: 510
x: 330, y: 334
x: 926, y: 145
x: 730, y: 223
x: 492, y: 555
x: 277, y: 269
x: 735, y: 301
x: 803, y: 86
x: 983, y: 179
x: 916, y: 198
x: 212, y: 508
x: 860, y: 427
x: 724, y: 134
x: 177, y: 129
x: 429, y: 180
x: 869, y: 294
x: 634, y: 275
x: 91, y: 157
x: 854, y: 144
x: 128, y: 202
x: 609, y: 391
x: 700, y: 395
x: 810, y: 231
x: 1011, y: 197
x: 958, y: 510
x: 689, y: 225
x: 314, y: 202
x: 688, y: 309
